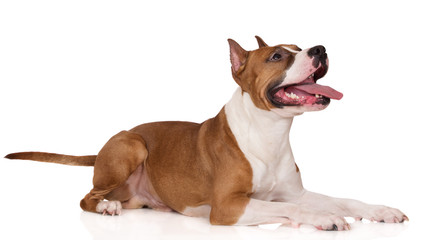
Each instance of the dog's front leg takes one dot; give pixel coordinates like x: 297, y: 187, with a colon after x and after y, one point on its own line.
x: 350, y: 208
x: 264, y: 212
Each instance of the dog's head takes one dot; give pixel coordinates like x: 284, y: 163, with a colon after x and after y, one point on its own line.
x: 282, y: 78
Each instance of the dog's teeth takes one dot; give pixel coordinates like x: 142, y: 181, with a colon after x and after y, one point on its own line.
x: 292, y: 95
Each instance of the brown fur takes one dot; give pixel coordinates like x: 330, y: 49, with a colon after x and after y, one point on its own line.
x: 193, y: 164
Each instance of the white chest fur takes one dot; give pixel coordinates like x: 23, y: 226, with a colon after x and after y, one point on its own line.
x: 263, y: 137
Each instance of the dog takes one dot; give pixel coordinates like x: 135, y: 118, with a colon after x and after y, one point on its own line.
x: 236, y: 168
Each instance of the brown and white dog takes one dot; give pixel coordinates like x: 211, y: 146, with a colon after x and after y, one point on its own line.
x: 235, y: 168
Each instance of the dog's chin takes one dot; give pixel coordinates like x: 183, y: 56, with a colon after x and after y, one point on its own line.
x: 291, y: 111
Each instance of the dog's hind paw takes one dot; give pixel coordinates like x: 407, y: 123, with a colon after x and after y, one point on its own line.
x: 109, y: 207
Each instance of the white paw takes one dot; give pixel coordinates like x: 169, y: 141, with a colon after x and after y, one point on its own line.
x: 327, y: 222
x: 380, y: 213
x: 110, y: 207
x: 331, y: 223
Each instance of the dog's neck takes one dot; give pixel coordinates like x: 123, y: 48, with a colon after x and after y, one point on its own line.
x: 261, y: 134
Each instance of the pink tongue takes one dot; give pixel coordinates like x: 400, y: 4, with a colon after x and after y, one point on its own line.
x: 320, y: 89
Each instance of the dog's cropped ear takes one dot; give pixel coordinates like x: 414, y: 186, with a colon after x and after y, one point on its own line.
x: 261, y: 42
x: 238, y: 56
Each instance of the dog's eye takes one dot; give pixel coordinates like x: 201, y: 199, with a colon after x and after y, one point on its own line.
x: 276, y: 57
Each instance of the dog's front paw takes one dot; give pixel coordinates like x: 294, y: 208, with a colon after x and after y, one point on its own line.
x: 328, y: 222
x: 331, y: 223
x: 386, y: 214
x: 110, y: 207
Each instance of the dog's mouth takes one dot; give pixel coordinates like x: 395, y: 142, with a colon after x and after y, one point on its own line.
x: 306, y: 92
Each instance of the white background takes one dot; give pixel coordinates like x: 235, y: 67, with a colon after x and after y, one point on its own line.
x: 74, y: 73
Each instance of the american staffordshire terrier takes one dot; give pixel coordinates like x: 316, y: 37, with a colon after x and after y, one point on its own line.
x: 236, y: 168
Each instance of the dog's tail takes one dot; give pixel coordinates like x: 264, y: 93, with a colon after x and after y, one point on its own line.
x: 55, y: 158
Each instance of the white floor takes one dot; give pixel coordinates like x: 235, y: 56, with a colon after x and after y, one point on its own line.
x: 40, y: 201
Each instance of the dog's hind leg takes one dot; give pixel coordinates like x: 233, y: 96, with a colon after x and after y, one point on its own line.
x: 116, y: 161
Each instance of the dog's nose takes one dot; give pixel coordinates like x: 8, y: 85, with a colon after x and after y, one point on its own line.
x: 316, y: 51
